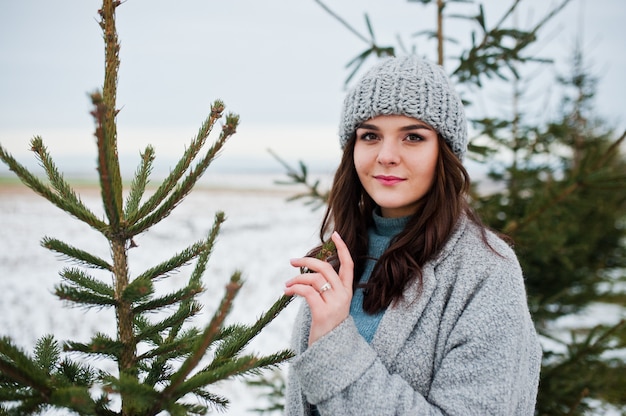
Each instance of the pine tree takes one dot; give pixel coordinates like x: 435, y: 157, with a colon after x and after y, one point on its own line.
x: 559, y: 195
x: 163, y: 362
x: 562, y: 201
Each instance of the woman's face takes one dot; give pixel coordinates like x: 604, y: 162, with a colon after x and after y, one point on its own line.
x: 395, y: 158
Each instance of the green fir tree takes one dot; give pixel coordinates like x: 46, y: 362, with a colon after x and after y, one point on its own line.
x: 164, y: 364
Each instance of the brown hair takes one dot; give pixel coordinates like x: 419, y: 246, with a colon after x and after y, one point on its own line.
x: 349, y: 212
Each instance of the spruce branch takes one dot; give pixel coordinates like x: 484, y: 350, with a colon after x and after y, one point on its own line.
x: 187, y: 184
x: 73, y: 204
x: 206, y: 339
x: 234, y: 345
x: 47, y: 353
x: 180, y: 296
x: 81, y: 279
x: 215, y: 401
x: 172, y: 348
x: 17, y: 367
x: 187, y: 308
x: 100, y: 344
x: 143, y: 395
x: 202, y: 250
x: 236, y: 339
x: 104, y: 114
x: 183, y: 164
x: 180, y: 259
x: 47, y: 192
x: 153, y: 329
x: 203, y: 258
x: 75, y: 254
x: 301, y: 177
x: 584, y: 179
x: 169, y: 349
x: 108, y: 169
x: 137, y: 290
x: 84, y: 298
x: 244, y: 365
x: 140, y: 181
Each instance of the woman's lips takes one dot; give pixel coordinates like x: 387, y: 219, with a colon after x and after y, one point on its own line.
x: 388, y: 180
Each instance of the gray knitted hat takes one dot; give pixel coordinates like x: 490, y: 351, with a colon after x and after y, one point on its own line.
x: 412, y: 87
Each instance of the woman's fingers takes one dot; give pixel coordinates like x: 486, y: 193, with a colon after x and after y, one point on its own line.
x: 314, y: 280
x: 327, y: 292
x: 346, y: 264
x: 308, y: 292
x: 318, y: 267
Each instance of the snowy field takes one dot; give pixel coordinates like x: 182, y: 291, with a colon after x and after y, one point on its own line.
x: 261, y: 233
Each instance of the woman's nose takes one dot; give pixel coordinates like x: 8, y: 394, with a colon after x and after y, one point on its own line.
x: 389, y: 153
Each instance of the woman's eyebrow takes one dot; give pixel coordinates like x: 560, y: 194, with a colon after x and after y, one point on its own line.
x: 408, y: 127
x: 416, y: 127
x: 367, y: 126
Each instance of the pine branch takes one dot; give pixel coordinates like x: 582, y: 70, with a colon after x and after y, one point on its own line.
x: 16, y: 366
x: 84, y: 290
x: 82, y: 279
x: 182, y: 295
x: 234, y: 345
x: 179, y: 259
x: 107, y: 168
x: 239, y: 366
x: 218, y: 403
x: 139, y: 183
x: 205, y: 341
x: 47, y: 192
x: 137, y: 290
x: 301, y: 177
x: 179, y: 347
x: 84, y: 298
x: 183, y: 164
x: 100, y: 344
x: 104, y: 114
x: 73, y: 205
x: 180, y: 316
x: 514, y: 226
x: 187, y: 306
x: 172, y: 348
x: 47, y: 353
x: 75, y: 254
x: 183, y: 189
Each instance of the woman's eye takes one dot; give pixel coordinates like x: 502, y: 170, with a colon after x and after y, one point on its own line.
x: 368, y: 136
x: 414, y: 138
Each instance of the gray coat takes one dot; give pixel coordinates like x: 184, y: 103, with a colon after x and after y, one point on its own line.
x: 463, y: 345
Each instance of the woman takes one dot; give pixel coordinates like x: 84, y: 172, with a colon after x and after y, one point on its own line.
x: 422, y: 311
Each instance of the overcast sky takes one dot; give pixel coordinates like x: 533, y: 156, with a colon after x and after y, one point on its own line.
x: 279, y: 64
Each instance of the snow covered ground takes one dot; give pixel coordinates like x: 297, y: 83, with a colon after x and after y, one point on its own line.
x: 261, y: 233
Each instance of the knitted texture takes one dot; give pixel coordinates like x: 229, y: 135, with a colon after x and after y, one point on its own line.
x: 412, y: 87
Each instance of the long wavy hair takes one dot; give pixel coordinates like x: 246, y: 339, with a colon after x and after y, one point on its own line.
x: 349, y: 212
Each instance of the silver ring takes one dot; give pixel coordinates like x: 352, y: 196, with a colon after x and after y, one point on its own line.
x: 326, y: 286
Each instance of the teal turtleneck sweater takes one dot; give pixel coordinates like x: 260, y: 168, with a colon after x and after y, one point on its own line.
x: 379, y: 237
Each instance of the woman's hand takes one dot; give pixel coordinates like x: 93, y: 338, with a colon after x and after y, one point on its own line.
x: 327, y: 293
